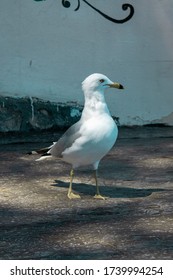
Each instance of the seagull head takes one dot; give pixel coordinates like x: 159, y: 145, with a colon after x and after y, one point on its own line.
x: 99, y: 82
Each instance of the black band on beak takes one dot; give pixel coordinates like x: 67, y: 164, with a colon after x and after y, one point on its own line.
x: 121, y: 87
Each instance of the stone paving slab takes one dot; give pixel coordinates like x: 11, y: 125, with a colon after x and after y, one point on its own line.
x: 38, y: 221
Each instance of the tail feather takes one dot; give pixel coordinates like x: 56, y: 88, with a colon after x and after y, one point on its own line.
x: 42, y: 151
x: 45, y: 156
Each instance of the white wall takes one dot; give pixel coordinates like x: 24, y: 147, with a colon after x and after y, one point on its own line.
x: 46, y: 51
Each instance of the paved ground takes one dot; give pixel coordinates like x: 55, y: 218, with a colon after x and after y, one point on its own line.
x: 38, y: 221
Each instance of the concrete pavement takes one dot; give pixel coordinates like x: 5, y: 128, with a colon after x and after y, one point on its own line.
x: 38, y: 221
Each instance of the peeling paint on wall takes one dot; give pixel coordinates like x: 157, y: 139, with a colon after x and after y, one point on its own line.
x: 75, y: 113
x: 166, y: 120
x: 29, y: 113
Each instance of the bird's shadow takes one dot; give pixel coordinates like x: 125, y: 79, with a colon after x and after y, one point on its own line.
x: 109, y: 191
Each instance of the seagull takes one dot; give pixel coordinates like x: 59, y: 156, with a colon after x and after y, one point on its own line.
x: 87, y: 141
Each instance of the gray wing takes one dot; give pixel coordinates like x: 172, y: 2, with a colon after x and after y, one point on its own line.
x: 66, y: 140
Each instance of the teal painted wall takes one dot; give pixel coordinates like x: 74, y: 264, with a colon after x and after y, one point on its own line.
x: 46, y: 51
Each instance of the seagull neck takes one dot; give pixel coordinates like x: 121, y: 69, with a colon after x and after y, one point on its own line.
x: 94, y: 95
x: 95, y: 102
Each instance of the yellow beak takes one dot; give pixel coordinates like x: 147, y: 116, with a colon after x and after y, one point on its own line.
x: 116, y: 85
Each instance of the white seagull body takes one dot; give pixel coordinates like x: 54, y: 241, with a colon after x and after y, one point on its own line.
x: 90, y: 139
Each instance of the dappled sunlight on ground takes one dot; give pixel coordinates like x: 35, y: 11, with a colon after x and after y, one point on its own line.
x: 134, y: 222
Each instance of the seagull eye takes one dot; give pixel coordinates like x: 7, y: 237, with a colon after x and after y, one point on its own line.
x: 102, y: 81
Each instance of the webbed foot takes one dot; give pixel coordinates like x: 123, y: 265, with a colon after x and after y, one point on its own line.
x: 99, y: 196
x: 72, y: 195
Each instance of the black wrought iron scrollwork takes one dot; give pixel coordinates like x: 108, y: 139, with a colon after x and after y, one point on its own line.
x: 66, y: 4
x: 125, y: 7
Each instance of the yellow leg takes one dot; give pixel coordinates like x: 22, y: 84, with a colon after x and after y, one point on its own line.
x: 97, y: 195
x: 70, y: 194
